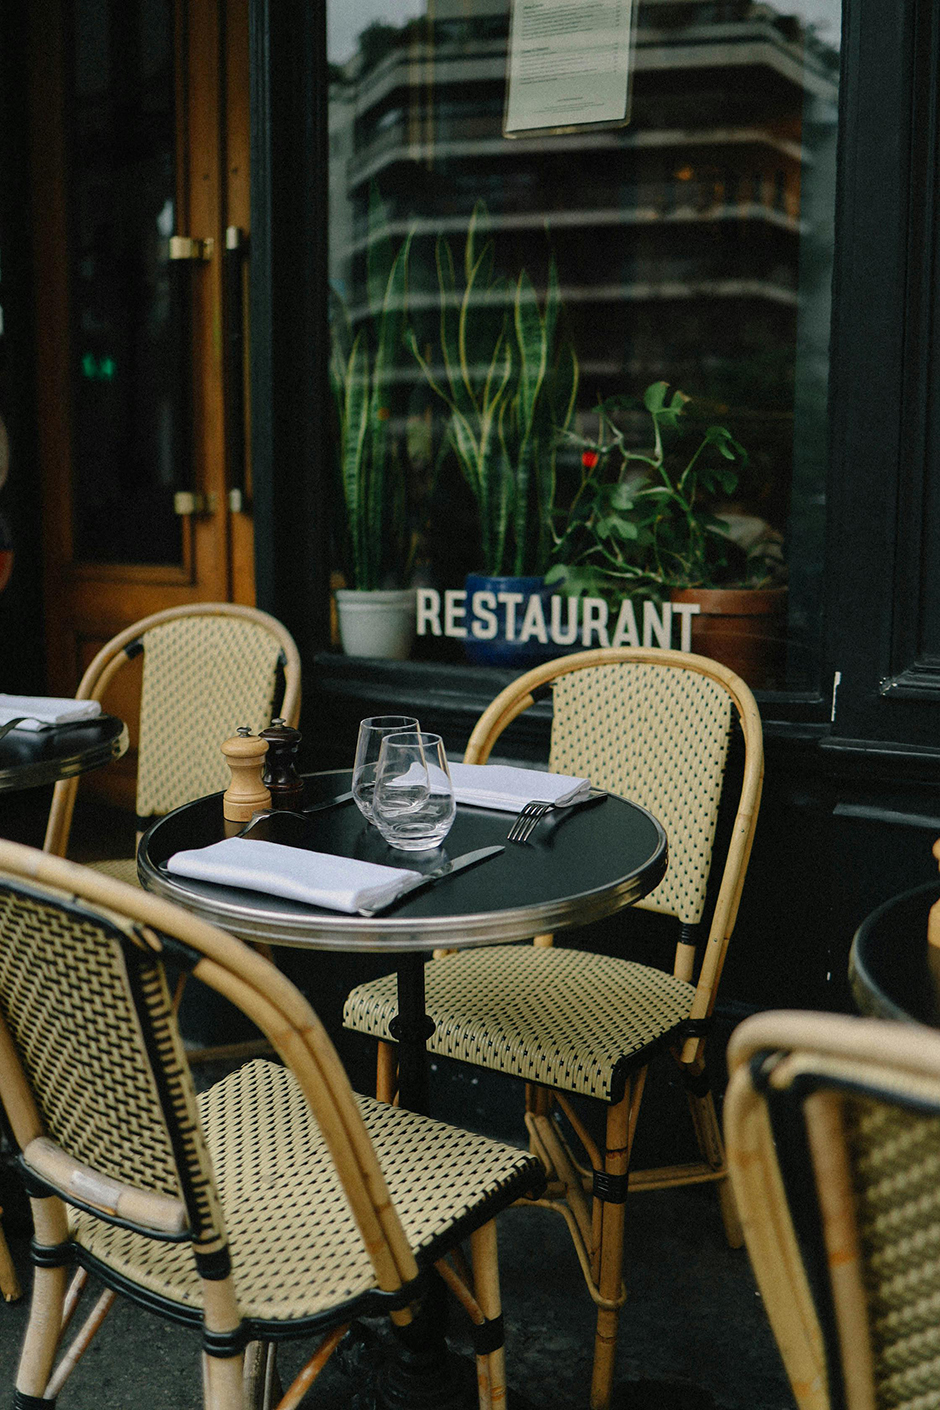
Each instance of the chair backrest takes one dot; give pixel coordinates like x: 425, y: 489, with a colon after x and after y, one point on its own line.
x: 653, y: 725
x: 833, y: 1141
x: 94, y: 1076
x: 207, y: 668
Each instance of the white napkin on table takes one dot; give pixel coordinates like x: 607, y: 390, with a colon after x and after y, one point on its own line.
x: 45, y: 711
x: 316, y: 878
x: 509, y: 789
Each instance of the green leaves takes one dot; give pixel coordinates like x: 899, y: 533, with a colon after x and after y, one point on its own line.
x: 362, y: 376
x: 644, y: 517
x: 508, y: 387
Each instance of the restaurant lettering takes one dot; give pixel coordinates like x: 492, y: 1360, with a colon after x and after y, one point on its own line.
x: 560, y: 621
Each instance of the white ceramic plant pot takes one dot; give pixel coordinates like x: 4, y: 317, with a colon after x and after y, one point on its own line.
x: 379, y: 624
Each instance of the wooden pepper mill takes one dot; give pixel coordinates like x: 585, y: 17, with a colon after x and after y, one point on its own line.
x: 280, y: 769
x: 246, y: 794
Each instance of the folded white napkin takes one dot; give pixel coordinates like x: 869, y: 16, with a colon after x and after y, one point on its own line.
x: 502, y: 786
x: 44, y: 711
x: 316, y: 878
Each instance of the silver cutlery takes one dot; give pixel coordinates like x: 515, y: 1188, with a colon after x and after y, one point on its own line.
x: 295, y: 812
x: 468, y: 859
x: 534, y: 811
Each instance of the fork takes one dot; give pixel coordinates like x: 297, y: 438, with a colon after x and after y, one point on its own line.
x: 534, y: 811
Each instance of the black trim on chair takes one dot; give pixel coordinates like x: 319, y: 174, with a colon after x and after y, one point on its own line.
x: 141, y: 970
x: 51, y: 1255
x: 226, y: 1344
x: 133, y: 648
x: 182, y: 955
x: 488, y: 1336
x: 214, y: 1267
x: 696, y: 1027
x: 611, y: 1189
x: 22, y: 1401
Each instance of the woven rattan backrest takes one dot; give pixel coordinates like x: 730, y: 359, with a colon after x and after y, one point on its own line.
x: 208, y: 668
x: 203, y: 677
x: 83, y: 993
x: 658, y: 735
x: 867, y: 1103
x: 89, y: 1013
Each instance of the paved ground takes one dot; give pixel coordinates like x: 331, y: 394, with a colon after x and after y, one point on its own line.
x: 693, y: 1332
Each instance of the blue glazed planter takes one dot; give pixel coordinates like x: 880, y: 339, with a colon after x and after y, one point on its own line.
x: 494, y: 626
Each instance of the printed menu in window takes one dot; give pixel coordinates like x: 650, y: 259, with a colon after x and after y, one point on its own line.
x: 569, y: 65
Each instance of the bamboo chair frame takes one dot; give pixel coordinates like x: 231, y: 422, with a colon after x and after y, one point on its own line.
x: 123, y: 648
x: 851, y: 1336
x: 113, y: 657
x: 231, y: 1381
x: 597, y: 1226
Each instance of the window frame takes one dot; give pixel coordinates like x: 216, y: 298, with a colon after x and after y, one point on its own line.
x: 881, y: 614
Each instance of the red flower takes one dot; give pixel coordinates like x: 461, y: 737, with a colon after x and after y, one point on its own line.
x: 589, y: 459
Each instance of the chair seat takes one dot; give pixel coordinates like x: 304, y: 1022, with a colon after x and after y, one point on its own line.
x: 564, y: 1018
x: 296, y: 1250
x: 121, y: 868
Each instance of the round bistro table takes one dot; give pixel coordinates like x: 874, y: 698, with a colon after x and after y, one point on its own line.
x: 889, y: 963
x: 578, y: 866
x: 31, y: 758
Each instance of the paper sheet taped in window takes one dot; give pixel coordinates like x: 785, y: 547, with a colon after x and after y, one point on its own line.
x: 569, y: 64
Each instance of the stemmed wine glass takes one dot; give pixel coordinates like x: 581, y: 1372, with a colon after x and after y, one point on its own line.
x: 371, y: 733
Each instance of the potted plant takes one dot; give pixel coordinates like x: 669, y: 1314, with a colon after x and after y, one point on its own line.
x: 376, y: 614
x: 509, y: 384
x: 661, y: 522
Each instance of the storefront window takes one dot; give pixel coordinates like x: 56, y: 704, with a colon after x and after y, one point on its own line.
x: 519, y: 320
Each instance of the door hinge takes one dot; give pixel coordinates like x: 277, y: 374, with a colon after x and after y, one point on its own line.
x: 185, y: 247
x: 188, y: 502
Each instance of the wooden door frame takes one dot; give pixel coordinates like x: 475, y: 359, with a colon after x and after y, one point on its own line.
x: 212, y: 109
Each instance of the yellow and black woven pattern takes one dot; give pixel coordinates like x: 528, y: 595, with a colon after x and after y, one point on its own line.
x: 896, y: 1164
x: 296, y: 1250
x: 203, y: 677
x: 65, y: 999
x: 564, y: 1018
x: 648, y: 732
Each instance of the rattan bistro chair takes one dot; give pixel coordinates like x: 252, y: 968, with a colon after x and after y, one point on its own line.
x: 276, y: 1204
x: 653, y: 725
x: 833, y: 1131
x: 208, y: 667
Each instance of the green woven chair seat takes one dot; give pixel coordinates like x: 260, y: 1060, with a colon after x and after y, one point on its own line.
x: 295, y: 1247
x: 564, y: 1018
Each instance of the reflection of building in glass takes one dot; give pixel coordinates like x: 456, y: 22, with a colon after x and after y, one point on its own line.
x: 680, y: 239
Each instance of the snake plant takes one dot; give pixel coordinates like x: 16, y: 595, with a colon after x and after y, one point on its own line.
x: 509, y: 385
x: 362, y: 367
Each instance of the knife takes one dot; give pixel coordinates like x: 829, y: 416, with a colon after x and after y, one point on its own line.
x: 468, y: 859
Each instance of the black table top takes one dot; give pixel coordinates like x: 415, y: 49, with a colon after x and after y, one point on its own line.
x: 30, y: 758
x: 578, y: 867
x: 889, y: 967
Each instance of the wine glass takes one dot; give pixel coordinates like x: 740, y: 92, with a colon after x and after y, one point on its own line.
x: 371, y: 733
x: 413, y: 803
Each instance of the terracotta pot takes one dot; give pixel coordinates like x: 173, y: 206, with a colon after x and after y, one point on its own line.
x: 743, y: 628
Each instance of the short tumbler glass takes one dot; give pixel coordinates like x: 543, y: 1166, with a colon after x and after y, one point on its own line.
x: 413, y: 804
x: 371, y: 733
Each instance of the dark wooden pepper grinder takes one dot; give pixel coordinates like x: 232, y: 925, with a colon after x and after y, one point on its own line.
x: 280, y: 767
